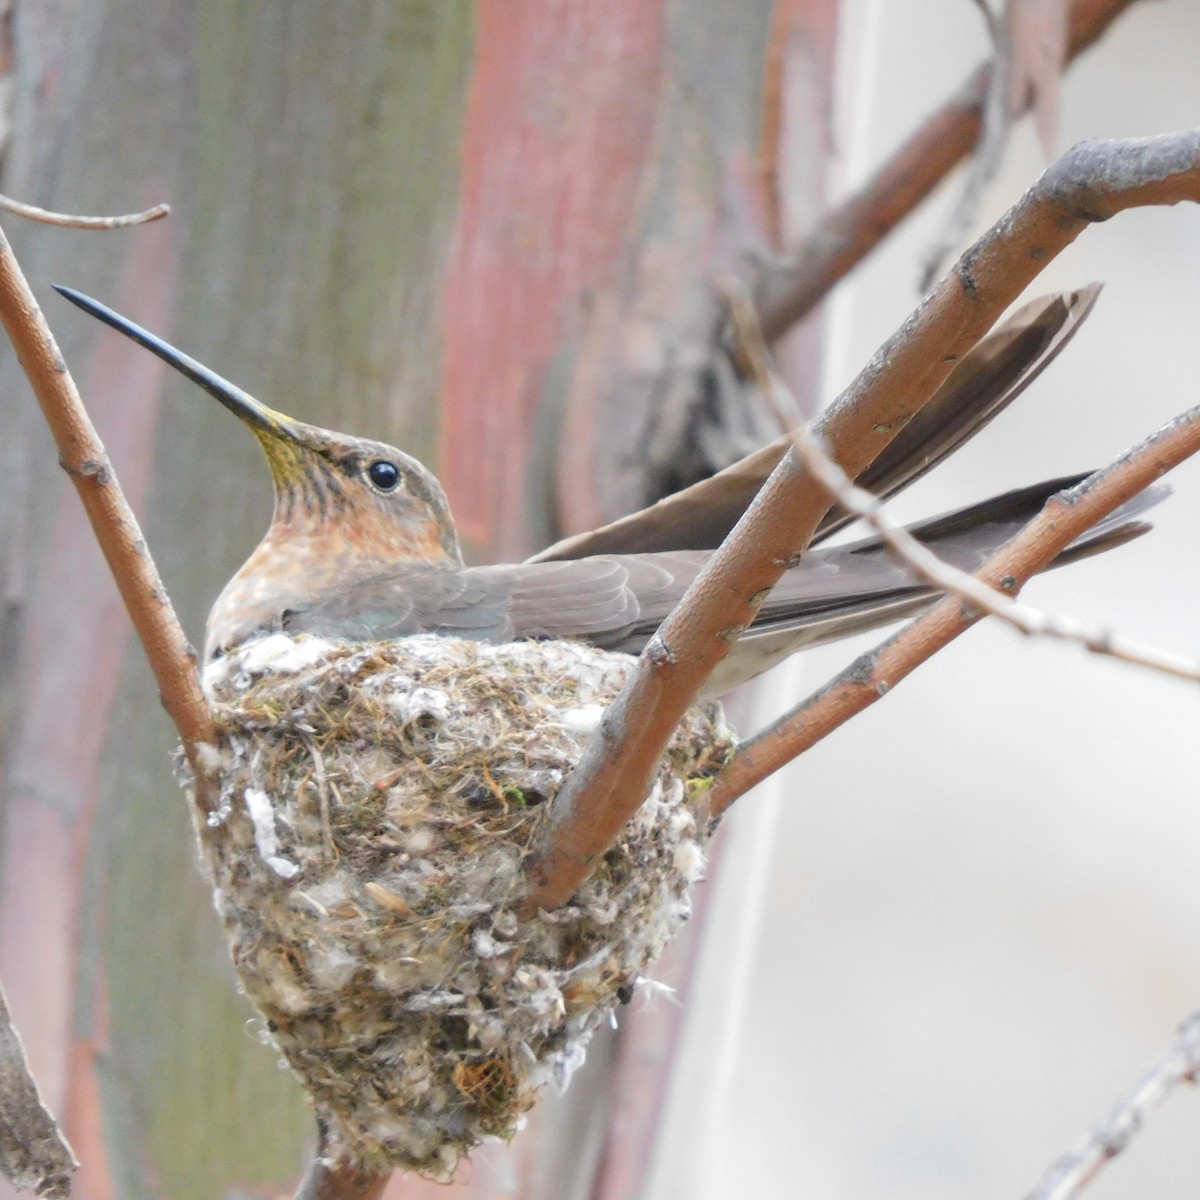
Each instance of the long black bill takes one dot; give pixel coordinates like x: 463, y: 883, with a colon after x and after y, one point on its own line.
x: 240, y: 403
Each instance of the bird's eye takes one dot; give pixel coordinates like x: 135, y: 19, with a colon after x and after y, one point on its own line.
x: 384, y: 475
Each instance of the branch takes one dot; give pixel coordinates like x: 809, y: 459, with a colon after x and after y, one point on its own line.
x: 66, y: 221
x: 875, y: 674
x: 82, y: 456
x: 1079, y: 1166
x: 791, y: 288
x: 172, y: 660
x: 1092, y: 182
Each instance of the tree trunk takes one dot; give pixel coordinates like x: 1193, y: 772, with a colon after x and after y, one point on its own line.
x: 482, y: 231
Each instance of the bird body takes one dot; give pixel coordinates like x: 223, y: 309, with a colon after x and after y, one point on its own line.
x: 617, y: 601
x: 362, y: 543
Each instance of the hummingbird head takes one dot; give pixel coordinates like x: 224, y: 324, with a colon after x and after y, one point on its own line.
x: 345, y: 507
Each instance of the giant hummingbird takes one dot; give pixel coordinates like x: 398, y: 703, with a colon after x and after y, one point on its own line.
x: 362, y: 544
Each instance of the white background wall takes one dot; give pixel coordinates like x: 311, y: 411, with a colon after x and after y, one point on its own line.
x: 980, y: 912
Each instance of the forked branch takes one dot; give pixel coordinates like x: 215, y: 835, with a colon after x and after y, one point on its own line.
x: 1092, y: 182
x: 874, y: 674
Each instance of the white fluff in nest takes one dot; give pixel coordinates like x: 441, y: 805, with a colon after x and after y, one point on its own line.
x: 377, y: 804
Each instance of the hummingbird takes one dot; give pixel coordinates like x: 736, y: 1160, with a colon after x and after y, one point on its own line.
x: 362, y: 543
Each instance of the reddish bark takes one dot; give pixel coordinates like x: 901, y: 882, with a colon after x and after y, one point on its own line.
x: 557, y: 131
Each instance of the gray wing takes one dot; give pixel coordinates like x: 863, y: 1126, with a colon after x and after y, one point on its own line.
x: 833, y: 592
x: 618, y: 601
x: 601, y: 600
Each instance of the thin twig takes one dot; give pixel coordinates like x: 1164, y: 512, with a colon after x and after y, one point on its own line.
x: 746, y: 328
x: 33, y: 213
x: 845, y: 236
x: 873, y: 675
x: 1079, y: 1166
x: 1092, y: 182
x: 82, y: 456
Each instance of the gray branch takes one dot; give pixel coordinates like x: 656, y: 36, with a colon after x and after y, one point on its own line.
x: 34, y: 1155
x: 1076, y: 1169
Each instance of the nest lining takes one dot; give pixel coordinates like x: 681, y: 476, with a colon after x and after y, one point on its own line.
x: 378, y: 802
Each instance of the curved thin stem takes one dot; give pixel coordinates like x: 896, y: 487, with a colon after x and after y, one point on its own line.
x: 82, y: 456
x: 1079, y: 1166
x: 67, y: 221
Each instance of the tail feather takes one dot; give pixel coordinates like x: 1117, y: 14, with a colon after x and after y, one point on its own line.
x: 983, y: 384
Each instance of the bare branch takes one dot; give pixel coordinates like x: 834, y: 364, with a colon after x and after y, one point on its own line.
x: 82, y: 456
x: 793, y: 287
x: 1079, y: 1166
x: 1092, y: 182
x: 749, y: 353
x: 919, y: 558
x: 875, y: 674
x: 34, y: 1155
x: 33, y: 213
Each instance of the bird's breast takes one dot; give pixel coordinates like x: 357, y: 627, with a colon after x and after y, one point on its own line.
x: 292, y: 566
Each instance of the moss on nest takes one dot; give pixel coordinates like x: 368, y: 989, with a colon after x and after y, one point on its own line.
x: 378, y: 802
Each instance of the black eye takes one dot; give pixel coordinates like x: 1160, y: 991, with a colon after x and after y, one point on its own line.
x: 384, y: 475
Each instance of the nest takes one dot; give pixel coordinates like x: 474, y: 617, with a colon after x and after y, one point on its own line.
x: 377, y: 804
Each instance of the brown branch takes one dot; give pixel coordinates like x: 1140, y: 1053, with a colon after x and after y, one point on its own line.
x: 1079, y: 1166
x: 34, y: 1155
x: 1092, y: 182
x: 172, y: 660
x: 66, y: 221
x: 873, y: 675
x: 792, y: 288
x: 82, y: 456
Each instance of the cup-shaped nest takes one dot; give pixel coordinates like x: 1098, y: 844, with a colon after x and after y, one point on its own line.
x: 378, y: 802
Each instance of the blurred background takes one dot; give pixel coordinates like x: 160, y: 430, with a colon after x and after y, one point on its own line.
x: 937, y: 948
